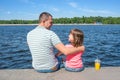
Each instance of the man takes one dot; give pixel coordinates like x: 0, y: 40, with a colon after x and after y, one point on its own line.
x: 41, y: 41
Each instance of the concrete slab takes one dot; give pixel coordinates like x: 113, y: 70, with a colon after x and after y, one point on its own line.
x: 105, y: 73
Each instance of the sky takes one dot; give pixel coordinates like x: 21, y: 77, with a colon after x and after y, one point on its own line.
x: 31, y: 9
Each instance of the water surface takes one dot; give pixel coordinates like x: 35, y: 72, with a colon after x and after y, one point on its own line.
x: 101, y: 41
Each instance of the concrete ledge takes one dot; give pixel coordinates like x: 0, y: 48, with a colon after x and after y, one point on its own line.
x: 105, y: 73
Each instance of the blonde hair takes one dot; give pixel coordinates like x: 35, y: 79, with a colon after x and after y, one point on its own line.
x: 78, y: 37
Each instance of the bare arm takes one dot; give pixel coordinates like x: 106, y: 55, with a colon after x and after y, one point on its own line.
x: 66, y: 50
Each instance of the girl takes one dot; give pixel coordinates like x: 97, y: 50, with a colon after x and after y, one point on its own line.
x: 73, y: 62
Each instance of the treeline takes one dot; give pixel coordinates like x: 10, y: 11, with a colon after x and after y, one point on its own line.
x: 74, y: 20
x: 18, y: 21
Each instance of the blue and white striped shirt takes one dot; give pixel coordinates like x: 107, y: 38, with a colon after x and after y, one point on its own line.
x: 41, y: 42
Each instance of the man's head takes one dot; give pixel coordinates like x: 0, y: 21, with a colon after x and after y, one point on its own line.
x: 45, y: 19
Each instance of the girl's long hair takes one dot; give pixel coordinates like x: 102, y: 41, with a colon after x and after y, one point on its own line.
x: 78, y: 37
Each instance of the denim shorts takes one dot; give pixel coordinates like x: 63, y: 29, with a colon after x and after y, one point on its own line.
x: 60, y: 60
x: 74, y: 69
x: 57, y: 67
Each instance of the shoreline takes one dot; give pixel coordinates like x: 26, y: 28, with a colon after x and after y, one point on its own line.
x: 53, y: 24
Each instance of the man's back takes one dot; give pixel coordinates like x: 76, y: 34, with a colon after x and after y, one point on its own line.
x: 41, y: 42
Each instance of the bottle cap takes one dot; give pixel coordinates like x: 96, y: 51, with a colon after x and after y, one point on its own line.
x: 97, y: 60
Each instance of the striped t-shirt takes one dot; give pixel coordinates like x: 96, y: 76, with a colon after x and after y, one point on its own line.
x: 41, y: 42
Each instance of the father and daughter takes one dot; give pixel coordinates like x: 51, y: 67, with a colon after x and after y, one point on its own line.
x: 41, y: 42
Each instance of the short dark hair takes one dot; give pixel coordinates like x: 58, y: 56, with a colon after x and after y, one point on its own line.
x: 78, y: 36
x: 44, y: 16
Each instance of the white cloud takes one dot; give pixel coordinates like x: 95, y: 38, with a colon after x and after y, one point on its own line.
x: 89, y: 10
x: 73, y: 4
x: 28, y: 1
x: 96, y: 11
x: 8, y: 12
x: 25, y: 1
x: 55, y: 9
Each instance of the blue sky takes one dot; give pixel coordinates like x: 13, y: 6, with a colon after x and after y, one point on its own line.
x: 30, y: 9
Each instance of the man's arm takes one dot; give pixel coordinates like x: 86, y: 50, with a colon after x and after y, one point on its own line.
x: 68, y: 50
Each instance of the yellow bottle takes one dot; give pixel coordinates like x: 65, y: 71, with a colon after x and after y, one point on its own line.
x: 97, y: 64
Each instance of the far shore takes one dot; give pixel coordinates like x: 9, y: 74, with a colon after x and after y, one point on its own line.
x: 53, y: 24
x: 17, y: 24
